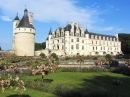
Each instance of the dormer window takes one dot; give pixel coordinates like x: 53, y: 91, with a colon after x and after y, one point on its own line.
x: 96, y: 37
x: 113, y: 39
x: 99, y: 37
x: 92, y: 36
x: 103, y: 38
x: 107, y: 38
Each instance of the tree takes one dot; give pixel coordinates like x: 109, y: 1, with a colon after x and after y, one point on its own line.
x: 38, y: 46
x: 125, y: 42
x: 44, y: 45
x: 80, y: 59
x: 0, y: 49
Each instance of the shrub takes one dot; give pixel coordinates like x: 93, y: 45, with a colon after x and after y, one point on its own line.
x: 75, y: 69
x: 114, y: 63
x: 37, y: 84
x: 95, y: 58
x: 42, y: 55
x: 16, y: 95
x: 108, y: 56
x: 125, y: 71
x: 55, y: 56
x: 67, y: 58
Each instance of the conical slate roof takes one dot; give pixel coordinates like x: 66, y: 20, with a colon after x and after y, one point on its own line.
x: 50, y: 32
x: 86, y: 31
x: 25, y: 21
x: 16, y: 18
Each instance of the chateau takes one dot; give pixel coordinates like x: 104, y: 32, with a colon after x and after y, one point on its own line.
x: 73, y: 40
x: 23, y: 35
x: 69, y: 40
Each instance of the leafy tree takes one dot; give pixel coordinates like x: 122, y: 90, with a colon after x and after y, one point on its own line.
x: 38, y: 46
x: 0, y: 49
x: 44, y: 45
x: 80, y: 59
x: 125, y: 42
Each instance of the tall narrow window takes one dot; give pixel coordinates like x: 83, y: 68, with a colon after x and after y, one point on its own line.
x: 77, y: 46
x: 72, y: 47
x: 77, y: 39
x: 82, y: 47
x: 71, y: 40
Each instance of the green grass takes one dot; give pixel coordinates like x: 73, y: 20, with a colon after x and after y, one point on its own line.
x: 30, y: 92
x: 85, y: 82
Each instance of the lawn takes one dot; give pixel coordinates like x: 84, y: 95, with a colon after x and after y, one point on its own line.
x: 78, y: 81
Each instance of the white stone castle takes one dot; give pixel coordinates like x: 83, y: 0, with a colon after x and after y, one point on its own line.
x: 69, y: 40
x: 73, y: 40
x: 23, y: 35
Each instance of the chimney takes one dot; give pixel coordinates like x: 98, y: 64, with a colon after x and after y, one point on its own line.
x: 30, y: 17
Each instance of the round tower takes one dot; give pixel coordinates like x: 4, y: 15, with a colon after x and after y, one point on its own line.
x: 24, y: 36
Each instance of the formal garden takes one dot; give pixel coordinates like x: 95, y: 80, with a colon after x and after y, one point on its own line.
x: 40, y: 76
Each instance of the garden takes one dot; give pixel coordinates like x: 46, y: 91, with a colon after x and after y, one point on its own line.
x: 41, y: 77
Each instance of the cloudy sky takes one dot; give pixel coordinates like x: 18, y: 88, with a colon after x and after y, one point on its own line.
x: 99, y: 16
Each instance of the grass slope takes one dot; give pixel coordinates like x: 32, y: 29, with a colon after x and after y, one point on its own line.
x: 85, y: 82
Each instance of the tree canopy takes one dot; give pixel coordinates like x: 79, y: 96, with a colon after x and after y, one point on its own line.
x: 40, y: 46
x: 125, y: 42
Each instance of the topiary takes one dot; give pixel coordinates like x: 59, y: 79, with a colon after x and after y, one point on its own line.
x: 95, y: 58
x: 108, y: 56
x: 54, y: 55
x: 42, y: 55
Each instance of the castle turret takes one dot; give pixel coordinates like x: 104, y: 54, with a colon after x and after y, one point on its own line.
x: 15, y: 24
x: 24, y: 36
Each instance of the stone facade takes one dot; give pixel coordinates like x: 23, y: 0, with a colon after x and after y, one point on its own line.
x: 23, y: 35
x: 73, y: 40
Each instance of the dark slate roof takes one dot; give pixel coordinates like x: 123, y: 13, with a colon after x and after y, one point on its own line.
x: 67, y: 28
x: 50, y: 32
x: 86, y: 31
x: 16, y: 18
x: 103, y: 35
x: 25, y: 21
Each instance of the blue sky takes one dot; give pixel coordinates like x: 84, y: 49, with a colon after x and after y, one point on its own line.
x: 99, y: 16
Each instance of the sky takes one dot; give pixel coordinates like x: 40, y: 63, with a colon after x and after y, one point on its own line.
x: 99, y: 16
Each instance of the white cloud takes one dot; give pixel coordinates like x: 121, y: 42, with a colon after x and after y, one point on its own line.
x: 6, y: 18
x: 59, y: 11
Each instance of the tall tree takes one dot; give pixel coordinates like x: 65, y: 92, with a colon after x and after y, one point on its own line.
x: 125, y: 42
x: 38, y: 46
x: 44, y: 45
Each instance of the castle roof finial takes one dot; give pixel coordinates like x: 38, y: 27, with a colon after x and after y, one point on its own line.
x: 16, y: 18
